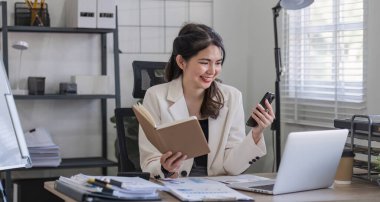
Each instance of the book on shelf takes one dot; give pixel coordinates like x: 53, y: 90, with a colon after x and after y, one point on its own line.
x: 184, y: 136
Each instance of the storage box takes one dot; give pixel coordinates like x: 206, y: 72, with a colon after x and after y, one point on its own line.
x: 105, y: 17
x: 36, y: 85
x: 90, y: 84
x: 81, y: 13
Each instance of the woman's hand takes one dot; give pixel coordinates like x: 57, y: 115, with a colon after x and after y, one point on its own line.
x: 263, y: 117
x: 172, y: 162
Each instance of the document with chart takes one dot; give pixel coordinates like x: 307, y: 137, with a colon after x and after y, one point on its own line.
x: 201, y: 189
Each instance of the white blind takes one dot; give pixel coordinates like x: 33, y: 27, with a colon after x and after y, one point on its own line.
x: 324, y: 60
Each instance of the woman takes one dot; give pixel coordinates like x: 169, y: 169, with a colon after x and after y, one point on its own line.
x: 193, y: 90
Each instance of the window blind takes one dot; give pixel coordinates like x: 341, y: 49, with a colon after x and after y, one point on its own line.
x: 324, y: 62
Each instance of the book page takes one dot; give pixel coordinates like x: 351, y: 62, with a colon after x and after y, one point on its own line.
x: 176, y: 122
x: 144, y: 112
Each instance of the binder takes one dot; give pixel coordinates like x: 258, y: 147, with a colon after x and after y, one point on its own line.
x: 81, y: 13
x: 105, y: 17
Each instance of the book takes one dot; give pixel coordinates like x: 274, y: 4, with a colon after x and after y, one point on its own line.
x: 184, y: 136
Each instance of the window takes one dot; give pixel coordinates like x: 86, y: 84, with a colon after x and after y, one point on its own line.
x: 324, y: 62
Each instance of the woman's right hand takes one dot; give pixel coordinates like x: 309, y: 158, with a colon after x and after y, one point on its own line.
x: 172, y: 162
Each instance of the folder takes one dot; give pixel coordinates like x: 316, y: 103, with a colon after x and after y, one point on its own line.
x: 184, y: 136
x: 105, y: 17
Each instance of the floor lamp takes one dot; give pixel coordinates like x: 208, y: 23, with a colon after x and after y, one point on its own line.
x: 289, y: 5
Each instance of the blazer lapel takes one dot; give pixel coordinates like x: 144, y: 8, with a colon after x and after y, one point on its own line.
x: 215, y: 138
x: 178, y: 109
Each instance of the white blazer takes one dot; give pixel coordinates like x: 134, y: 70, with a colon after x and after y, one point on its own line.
x: 231, y: 149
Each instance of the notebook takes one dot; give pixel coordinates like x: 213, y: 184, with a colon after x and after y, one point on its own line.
x: 309, y: 161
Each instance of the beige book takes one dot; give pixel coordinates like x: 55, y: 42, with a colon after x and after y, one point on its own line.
x: 184, y: 136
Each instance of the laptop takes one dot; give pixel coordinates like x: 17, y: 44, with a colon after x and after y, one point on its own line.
x: 309, y: 161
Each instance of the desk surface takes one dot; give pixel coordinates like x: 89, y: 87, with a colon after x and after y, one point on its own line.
x: 359, y: 190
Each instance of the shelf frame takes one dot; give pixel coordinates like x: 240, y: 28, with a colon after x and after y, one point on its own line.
x: 59, y: 30
x: 63, y: 97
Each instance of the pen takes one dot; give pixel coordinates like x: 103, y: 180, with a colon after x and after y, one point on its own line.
x: 116, y: 183
x: 112, y: 182
x: 106, y: 188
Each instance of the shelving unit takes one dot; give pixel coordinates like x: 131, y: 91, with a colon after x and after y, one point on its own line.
x: 101, y: 161
x: 364, y: 141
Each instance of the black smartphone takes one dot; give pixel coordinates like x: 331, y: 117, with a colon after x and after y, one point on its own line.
x: 268, y: 96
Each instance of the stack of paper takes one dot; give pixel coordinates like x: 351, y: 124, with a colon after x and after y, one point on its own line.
x: 42, y: 150
x: 91, y: 188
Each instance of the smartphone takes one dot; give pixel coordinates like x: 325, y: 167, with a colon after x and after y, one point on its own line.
x: 268, y: 96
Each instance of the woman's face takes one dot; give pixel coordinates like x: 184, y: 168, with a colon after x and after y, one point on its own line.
x: 202, y: 69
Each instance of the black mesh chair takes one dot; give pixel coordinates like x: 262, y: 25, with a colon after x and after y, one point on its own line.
x: 145, y: 74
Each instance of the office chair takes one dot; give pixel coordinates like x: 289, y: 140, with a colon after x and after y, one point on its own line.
x: 145, y: 74
x: 127, y: 150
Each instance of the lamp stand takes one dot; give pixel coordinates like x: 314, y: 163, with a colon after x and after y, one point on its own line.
x: 276, y: 126
x: 18, y: 90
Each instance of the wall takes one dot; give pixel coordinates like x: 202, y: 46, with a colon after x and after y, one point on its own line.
x: 373, y: 94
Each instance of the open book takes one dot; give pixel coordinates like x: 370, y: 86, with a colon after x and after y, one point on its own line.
x: 184, y: 136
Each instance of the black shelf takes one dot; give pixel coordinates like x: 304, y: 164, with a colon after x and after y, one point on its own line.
x: 83, y: 162
x: 86, y: 162
x: 62, y: 97
x: 359, y: 125
x: 57, y: 29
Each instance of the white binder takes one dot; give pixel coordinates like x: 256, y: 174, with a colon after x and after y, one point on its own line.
x: 81, y: 13
x: 105, y: 17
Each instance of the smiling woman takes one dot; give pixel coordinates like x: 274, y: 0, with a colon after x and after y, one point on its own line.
x: 193, y: 90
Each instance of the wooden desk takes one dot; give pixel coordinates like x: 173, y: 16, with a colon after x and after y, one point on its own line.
x: 359, y: 190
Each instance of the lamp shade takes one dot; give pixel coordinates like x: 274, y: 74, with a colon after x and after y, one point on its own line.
x: 20, y: 45
x: 295, y: 4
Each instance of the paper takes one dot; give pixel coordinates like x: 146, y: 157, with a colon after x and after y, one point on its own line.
x: 202, y: 189
x: 42, y: 150
x: 129, y: 185
x: 238, y: 178
x: 38, y: 137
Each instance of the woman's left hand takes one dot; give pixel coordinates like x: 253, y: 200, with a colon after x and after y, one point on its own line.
x: 264, y: 118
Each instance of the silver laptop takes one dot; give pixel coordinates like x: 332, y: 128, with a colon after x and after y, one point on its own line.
x: 309, y: 161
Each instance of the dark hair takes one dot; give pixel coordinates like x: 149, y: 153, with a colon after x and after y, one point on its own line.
x: 191, y: 39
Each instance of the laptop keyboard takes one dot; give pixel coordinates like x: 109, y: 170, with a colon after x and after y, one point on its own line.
x: 268, y: 187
